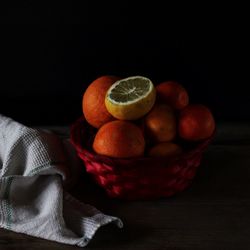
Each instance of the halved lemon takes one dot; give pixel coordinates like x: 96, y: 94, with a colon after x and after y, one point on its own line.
x: 130, y: 98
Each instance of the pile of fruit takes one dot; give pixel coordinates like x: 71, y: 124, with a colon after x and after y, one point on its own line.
x: 135, y: 118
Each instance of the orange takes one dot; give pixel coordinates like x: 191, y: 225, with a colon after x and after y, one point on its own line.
x: 160, y: 123
x: 120, y: 139
x: 93, y: 101
x: 172, y: 93
x: 165, y: 149
x: 196, y: 122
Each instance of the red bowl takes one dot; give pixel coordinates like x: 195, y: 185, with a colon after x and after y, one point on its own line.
x: 136, y: 178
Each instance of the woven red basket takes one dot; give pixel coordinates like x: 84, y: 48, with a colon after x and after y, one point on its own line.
x: 136, y: 178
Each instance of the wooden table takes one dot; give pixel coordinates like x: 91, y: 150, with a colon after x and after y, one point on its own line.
x: 213, y: 213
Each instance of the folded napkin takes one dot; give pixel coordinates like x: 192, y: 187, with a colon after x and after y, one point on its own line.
x: 34, y: 166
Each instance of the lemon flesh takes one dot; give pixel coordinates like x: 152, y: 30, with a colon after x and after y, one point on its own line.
x: 130, y: 98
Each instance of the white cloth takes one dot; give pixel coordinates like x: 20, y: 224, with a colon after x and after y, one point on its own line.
x: 33, y: 168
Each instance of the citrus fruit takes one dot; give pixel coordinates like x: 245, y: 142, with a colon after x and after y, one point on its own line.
x: 119, y: 139
x: 165, y: 149
x: 130, y: 98
x: 160, y: 123
x: 172, y: 93
x: 196, y: 122
x: 93, y: 102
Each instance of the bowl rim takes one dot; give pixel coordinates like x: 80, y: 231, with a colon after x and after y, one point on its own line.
x: 75, y: 140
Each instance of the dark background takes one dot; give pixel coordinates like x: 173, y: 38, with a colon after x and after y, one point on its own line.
x: 51, y: 52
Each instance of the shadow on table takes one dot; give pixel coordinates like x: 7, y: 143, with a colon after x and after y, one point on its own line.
x: 110, y: 236
x: 208, y: 211
x: 224, y: 173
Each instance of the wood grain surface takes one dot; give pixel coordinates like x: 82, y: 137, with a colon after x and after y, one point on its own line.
x: 213, y: 213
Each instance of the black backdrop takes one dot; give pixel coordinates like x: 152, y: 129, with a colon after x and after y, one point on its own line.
x: 51, y: 52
